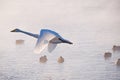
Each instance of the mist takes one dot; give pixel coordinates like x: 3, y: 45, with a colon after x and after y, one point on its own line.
x: 74, y: 16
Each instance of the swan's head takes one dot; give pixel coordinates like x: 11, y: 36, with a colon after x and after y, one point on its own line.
x: 15, y: 30
x: 65, y: 41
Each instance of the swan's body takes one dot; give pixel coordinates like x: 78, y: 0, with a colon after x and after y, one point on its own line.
x: 116, y: 48
x: 45, y: 38
x: 60, y: 59
x: 19, y: 41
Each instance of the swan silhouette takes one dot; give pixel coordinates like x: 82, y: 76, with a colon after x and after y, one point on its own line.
x: 43, y: 59
x: 116, y: 48
x: 118, y: 62
x: 45, y: 38
x: 107, y: 55
x: 60, y: 59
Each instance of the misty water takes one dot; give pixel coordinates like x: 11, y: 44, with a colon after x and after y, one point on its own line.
x: 84, y: 60
x: 92, y: 25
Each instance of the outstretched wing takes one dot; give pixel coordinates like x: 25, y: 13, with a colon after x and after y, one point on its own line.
x: 43, y: 40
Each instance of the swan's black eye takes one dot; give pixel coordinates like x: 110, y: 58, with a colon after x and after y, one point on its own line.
x: 60, y: 39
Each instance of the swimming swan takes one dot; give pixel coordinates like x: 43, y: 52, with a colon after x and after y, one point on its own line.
x: 107, y: 55
x: 43, y: 59
x: 19, y: 42
x: 60, y: 59
x: 45, y: 38
x: 118, y: 62
x: 116, y: 48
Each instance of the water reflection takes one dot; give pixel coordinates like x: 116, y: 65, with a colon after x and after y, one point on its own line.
x: 54, y: 74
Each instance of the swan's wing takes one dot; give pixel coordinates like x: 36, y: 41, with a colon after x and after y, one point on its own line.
x: 43, y: 41
x: 51, y: 47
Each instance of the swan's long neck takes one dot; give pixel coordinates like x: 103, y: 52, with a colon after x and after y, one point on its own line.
x: 30, y: 34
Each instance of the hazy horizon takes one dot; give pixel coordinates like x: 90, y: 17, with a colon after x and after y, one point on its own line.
x: 92, y: 25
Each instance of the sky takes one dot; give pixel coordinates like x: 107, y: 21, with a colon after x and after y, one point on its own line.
x: 60, y: 15
x: 37, y: 13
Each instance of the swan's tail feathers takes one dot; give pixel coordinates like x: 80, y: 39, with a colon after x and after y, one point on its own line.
x: 15, y: 30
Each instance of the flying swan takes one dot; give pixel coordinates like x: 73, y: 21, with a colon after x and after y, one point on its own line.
x: 46, y: 38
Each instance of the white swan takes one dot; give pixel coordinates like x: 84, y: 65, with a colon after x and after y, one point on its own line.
x: 60, y: 59
x: 45, y: 38
x: 19, y: 41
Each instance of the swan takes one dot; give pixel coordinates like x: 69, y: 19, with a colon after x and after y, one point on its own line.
x: 19, y: 41
x: 46, y: 38
x: 107, y: 55
x: 43, y: 59
x: 116, y: 48
x: 60, y: 59
x: 118, y: 62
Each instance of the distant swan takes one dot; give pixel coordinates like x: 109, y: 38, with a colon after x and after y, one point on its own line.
x: 60, y: 59
x: 45, y: 38
x: 117, y: 62
x: 107, y: 55
x: 19, y: 41
x: 116, y: 48
x: 43, y: 59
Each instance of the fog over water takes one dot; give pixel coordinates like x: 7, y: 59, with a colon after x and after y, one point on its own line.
x: 92, y: 25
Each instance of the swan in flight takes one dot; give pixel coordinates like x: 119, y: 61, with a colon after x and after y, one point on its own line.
x: 46, y: 38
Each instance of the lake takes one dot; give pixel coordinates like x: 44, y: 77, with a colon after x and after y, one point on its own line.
x: 92, y: 25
